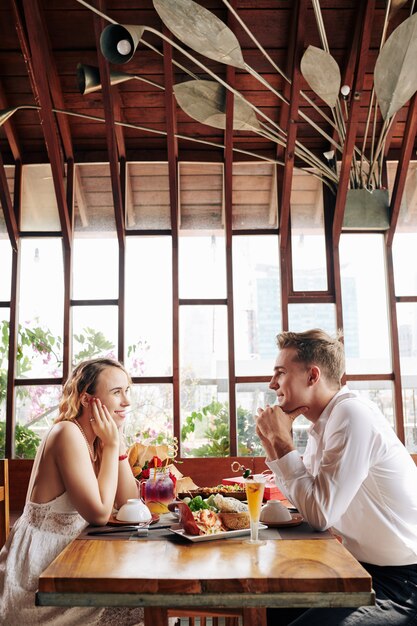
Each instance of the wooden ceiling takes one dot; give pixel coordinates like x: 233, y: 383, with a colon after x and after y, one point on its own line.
x: 43, y: 41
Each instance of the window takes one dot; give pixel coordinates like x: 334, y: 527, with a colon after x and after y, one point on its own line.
x: 365, y: 304
x: 194, y: 312
x: 307, y: 233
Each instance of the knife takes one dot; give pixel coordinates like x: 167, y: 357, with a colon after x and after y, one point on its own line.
x: 110, y: 531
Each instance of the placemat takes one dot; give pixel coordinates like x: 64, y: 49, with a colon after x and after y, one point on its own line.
x: 303, y: 531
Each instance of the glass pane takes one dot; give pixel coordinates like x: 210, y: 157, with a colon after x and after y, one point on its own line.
x: 151, y: 417
x: 39, y: 206
x: 407, y: 335
x: 93, y: 199
x: 147, y: 196
x: 407, y: 215
x: 202, y: 267
x: 201, y: 246
x: 204, y: 381
x: 10, y: 172
x: 4, y: 360
x: 405, y: 238
x: 94, y: 332
x: 380, y: 392
x: 3, y: 227
x: 307, y: 233
x: 255, y: 198
x: 405, y: 271
x: 6, y: 269
x: 257, y: 303
x: 36, y: 409
x: 148, y: 311
x: 95, y: 268
x: 41, y: 308
x: 302, y: 317
x: 250, y: 397
x: 410, y: 417
x: 364, y: 299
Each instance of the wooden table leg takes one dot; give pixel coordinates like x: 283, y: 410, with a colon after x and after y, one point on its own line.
x: 156, y: 616
x: 254, y: 617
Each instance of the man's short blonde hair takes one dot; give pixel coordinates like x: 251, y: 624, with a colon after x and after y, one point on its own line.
x: 316, y: 347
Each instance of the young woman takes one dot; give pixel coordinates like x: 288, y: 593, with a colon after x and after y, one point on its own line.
x: 80, y: 472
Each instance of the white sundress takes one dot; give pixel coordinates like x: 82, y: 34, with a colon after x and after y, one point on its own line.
x: 37, y: 537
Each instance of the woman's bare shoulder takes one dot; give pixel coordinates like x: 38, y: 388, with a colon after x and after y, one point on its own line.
x: 63, y: 432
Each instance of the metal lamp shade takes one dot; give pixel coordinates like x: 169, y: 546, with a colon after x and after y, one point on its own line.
x: 88, y: 78
x: 111, y: 42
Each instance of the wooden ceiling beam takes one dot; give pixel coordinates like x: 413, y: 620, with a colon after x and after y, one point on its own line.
x: 300, y: 11
x: 6, y: 202
x: 402, y: 169
x: 10, y: 129
x: 364, y: 23
x: 38, y: 65
x: 108, y: 105
x: 118, y: 130
x: 284, y: 111
x: 116, y: 170
x: 284, y: 202
x: 172, y: 150
x: 228, y: 222
x: 56, y: 91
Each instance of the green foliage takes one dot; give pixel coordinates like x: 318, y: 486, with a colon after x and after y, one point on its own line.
x: 217, y: 434
x: 26, y: 441
x: 94, y: 344
x: 29, y: 340
x: 32, y: 340
x: 151, y: 438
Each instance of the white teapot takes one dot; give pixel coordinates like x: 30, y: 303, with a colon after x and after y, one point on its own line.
x: 134, y: 511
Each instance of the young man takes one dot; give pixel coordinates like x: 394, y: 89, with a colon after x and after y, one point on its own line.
x: 355, y: 476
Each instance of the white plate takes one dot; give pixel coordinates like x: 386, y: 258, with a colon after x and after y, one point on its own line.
x: 227, y: 534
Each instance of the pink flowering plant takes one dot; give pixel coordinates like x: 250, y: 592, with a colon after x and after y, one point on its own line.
x: 38, y: 346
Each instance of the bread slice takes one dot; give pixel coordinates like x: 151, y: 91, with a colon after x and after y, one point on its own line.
x: 235, y: 521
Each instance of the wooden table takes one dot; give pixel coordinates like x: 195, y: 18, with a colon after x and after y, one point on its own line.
x: 225, y: 573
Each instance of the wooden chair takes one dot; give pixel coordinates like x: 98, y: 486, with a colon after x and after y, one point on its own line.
x: 231, y: 616
x: 4, y: 501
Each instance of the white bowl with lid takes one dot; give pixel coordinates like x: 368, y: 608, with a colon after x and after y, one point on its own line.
x: 134, y: 511
x: 274, y: 512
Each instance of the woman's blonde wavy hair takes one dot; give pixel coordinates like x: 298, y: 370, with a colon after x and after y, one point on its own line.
x: 83, y: 379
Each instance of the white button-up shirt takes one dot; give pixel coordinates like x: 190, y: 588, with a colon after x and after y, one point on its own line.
x: 357, y: 478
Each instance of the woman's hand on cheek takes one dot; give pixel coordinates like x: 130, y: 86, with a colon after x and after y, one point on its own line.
x: 103, y: 424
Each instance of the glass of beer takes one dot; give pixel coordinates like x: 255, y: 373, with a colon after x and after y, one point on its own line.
x: 255, y: 486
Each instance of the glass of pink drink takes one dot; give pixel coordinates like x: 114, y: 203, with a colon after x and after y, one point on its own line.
x: 159, y: 491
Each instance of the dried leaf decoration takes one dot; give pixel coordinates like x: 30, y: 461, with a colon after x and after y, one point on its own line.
x: 205, y: 101
x: 202, y: 31
x: 395, y: 75
x: 322, y: 74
